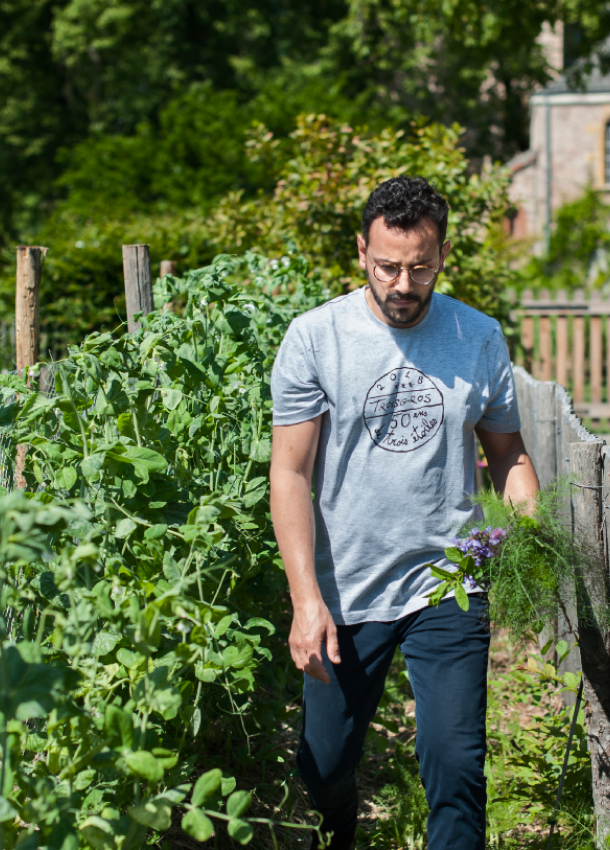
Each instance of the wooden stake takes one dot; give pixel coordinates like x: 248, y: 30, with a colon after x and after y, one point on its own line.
x: 30, y: 261
x: 138, y: 283
x: 168, y: 267
x: 562, y: 344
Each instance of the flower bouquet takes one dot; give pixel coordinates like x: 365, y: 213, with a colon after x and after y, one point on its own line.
x: 532, y: 566
x: 471, y: 554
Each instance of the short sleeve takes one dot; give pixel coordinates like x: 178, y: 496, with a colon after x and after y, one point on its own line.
x: 501, y: 414
x: 295, y: 388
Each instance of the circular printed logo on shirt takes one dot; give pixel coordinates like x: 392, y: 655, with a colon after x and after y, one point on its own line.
x: 403, y: 410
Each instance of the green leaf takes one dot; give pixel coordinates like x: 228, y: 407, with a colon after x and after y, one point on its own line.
x: 206, y: 786
x: 126, y: 657
x: 119, y: 724
x: 124, y: 528
x: 195, y: 723
x: 65, y: 477
x: 144, y: 764
x: 197, y: 825
x: 223, y: 625
x: 99, y: 832
x: 155, y: 813
x: 149, y: 341
x: 238, y: 803
x: 255, y: 491
x: 7, y: 812
x: 240, y: 830
x: 171, y: 398
x: 260, y: 623
x: 261, y: 450
x: 171, y: 570
x: 144, y: 461
x: 90, y: 466
x: 570, y: 680
x: 167, y: 758
x: 228, y: 785
x: 561, y: 648
x: 439, y: 572
x: 454, y: 554
x: 461, y: 597
x: 31, y: 690
x: 237, y: 656
x: 155, y: 532
x: 104, y: 642
x: 84, y: 779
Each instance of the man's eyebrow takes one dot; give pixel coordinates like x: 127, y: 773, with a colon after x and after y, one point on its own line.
x: 396, y: 263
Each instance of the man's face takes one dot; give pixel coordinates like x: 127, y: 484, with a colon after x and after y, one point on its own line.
x: 401, y: 303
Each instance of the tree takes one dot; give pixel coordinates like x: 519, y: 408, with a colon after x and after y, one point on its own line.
x: 71, y: 68
x: 320, y: 178
x: 470, y: 61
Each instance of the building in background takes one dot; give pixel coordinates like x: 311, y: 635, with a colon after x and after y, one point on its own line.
x: 569, y: 150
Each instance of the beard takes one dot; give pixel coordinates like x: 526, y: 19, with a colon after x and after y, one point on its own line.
x: 402, y: 316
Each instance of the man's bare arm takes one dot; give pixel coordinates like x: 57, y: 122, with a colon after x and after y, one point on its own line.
x: 510, y: 467
x: 292, y: 462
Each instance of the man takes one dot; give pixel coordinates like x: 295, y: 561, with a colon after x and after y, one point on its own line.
x: 379, y: 391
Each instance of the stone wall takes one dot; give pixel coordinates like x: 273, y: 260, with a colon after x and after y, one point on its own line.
x: 577, y: 131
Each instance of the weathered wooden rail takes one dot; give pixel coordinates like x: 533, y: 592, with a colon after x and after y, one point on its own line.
x: 567, y: 339
x: 561, y: 447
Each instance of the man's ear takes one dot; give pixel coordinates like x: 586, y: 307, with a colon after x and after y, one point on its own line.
x: 444, y: 251
x: 361, y: 251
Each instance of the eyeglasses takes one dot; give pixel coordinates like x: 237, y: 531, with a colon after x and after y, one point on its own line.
x: 388, y: 272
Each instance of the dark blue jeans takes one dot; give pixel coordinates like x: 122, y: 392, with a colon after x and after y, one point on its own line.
x: 446, y: 652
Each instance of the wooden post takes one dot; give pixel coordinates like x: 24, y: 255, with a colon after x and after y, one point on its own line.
x: 527, y: 335
x: 30, y: 261
x: 168, y: 267
x: 545, y: 451
x: 579, y: 362
x: 562, y: 344
x: 594, y: 637
x: 138, y: 283
x: 546, y: 343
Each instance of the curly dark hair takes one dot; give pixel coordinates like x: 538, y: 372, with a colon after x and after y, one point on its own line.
x: 403, y: 202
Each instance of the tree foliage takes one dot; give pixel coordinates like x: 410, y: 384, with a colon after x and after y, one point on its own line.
x: 109, y: 75
x: 579, y: 250
x: 459, y: 60
x: 321, y: 175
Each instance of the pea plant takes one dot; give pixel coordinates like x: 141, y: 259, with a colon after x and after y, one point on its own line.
x: 136, y: 567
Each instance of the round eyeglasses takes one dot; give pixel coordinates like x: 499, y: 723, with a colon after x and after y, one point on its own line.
x: 388, y: 272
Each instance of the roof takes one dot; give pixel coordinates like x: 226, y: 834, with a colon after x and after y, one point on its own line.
x: 596, y: 82
x: 521, y: 160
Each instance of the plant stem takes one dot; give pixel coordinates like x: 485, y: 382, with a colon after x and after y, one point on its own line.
x: 136, y: 430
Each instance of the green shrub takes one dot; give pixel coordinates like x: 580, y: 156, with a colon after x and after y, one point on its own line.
x: 321, y: 177
x: 579, y: 250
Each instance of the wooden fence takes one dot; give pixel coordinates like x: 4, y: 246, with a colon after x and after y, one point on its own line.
x: 49, y: 342
x: 561, y: 447
x: 568, y: 340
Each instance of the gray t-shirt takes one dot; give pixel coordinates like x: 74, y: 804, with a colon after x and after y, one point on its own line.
x: 395, y: 463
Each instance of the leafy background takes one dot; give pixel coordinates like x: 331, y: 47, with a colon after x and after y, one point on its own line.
x: 129, y: 122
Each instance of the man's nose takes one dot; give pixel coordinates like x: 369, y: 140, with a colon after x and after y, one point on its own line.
x: 403, y: 281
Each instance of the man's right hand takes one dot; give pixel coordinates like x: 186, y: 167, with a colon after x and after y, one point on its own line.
x: 313, y: 625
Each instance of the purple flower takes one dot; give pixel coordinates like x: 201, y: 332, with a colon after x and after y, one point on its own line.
x: 481, y: 544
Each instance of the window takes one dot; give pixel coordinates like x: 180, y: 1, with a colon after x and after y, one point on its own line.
x: 607, y: 155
